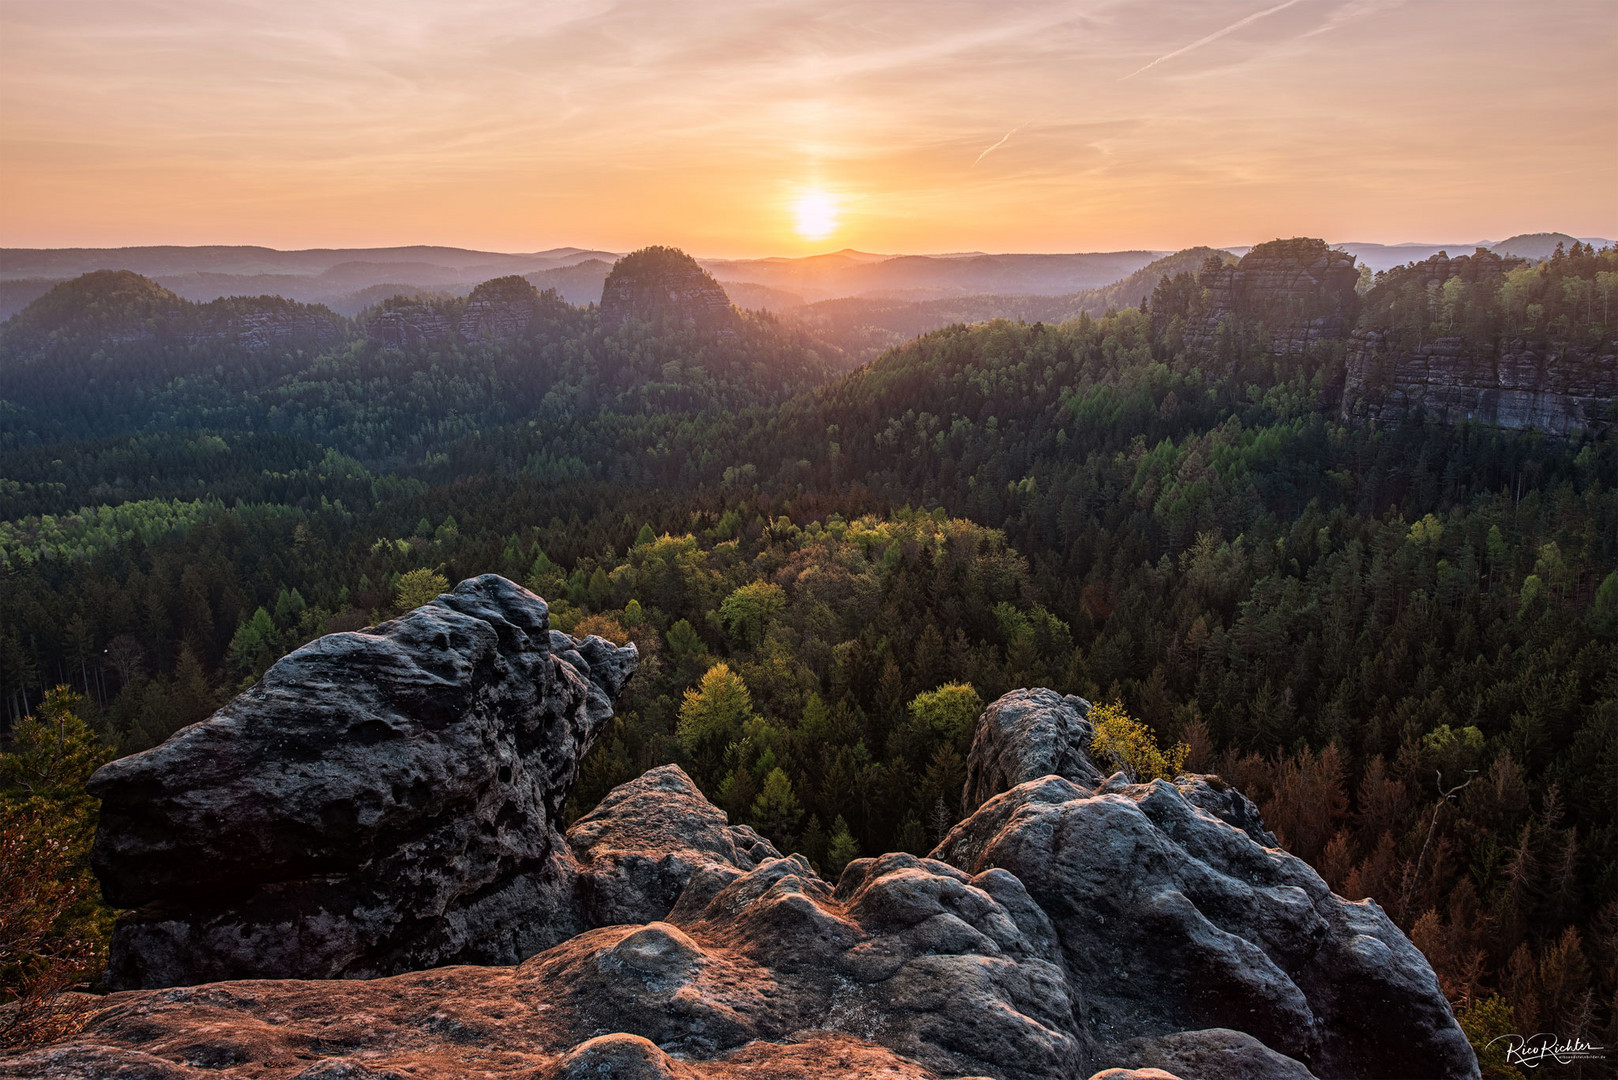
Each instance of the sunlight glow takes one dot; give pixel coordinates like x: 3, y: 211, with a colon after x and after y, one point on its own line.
x: 816, y: 214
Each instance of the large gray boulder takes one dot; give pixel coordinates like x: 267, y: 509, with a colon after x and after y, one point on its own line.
x: 638, y: 848
x: 1023, y: 736
x: 379, y: 802
x: 1071, y: 927
x: 1176, y: 912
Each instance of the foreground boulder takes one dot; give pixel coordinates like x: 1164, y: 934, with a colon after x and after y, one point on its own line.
x: 1177, y: 911
x: 379, y: 802
x: 1025, y: 735
x: 1071, y: 927
x: 637, y: 850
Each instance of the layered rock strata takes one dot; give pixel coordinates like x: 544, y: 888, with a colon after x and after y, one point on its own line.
x: 408, y: 324
x: 1558, y: 388
x: 1297, y: 292
x: 501, y: 310
x: 1072, y: 926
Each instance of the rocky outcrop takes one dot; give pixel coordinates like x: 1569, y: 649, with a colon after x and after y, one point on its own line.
x: 637, y: 850
x: 1556, y: 389
x: 660, y: 284
x: 380, y: 801
x: 1293, y: 292
x: 501, y: 310
x: 1398, y: 365
x: 408, y: 324
x: 1071, y: 927
x: 1023, y: 736
x: 1213, y: 931
x: 276, y: 324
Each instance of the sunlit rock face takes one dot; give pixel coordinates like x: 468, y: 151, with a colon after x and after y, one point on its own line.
x: 1072, y: 926
x: 657, y: 285
x: 380, y: 801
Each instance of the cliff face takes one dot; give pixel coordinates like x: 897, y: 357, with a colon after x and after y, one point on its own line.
x: 1397, y: 365
x: 657, y: 284
x: 408, y: 324
x: 1072, y: 923
x: 502, y: 310
x: 1299, y: 291
x: 1510, y: 384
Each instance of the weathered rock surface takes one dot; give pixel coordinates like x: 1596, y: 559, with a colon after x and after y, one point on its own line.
x: 1214, y: 1054
x: 380, y: 801
x: 1172, y: 920
x: 1025, y: 735
x: 637, y: 850
x: 272, y: 323
x: 659, y: 284
x: 1069, y: 928
x: 1299, y: 291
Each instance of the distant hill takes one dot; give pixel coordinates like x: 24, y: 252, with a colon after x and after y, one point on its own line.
x: 1138, y: 286
x: 344, y: 279
x: 95, y: 317
x: 1540, y: 245
x: 866, y: 326
x: 579, y: 283
x: 932, y: 277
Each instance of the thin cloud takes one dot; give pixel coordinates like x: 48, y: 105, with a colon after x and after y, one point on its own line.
x: 1215, y: 36
x: 1002, y: 141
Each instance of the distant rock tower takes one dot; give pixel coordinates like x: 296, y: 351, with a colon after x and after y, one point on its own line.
x: 656, y: 284
x: 500, y: 310
x: 1301, y: 291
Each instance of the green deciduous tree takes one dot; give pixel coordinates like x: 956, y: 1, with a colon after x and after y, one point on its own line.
x: 418, y: 587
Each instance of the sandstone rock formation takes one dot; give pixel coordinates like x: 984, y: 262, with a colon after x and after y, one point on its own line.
x: 276, y: 324
x: 637, y: 850
x: 1558, y: 388
x: 501, y: 310
x: 408, y: 324
x: 1071, y: 927
x: 1025, y: 735
x: 659, y: 284
x: 381, y: 801
x: 1297, y: 291
x: 108, y: 308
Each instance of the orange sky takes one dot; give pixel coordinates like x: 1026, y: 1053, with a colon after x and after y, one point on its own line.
x: 944, y: 125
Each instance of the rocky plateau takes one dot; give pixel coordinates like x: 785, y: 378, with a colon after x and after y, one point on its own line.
x: 357, y: 871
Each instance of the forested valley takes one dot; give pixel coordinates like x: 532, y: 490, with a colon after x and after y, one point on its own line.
x: 1399, y: 638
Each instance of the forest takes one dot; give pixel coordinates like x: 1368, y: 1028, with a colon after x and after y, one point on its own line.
x: 1399, y: 639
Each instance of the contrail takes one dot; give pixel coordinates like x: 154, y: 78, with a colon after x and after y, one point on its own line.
x: 1009, y: 134
x: 1215, y: 36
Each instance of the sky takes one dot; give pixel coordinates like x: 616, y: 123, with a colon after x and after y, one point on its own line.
x: 787, y: 127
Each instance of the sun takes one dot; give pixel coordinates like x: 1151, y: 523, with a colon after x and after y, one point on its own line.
x: 816, y: 213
